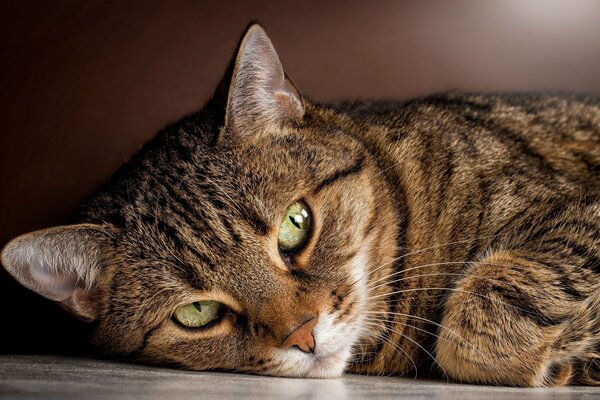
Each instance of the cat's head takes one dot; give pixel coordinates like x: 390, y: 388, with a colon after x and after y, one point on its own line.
x: 243, y: 237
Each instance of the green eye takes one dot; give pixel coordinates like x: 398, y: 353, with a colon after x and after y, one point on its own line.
x: 198, y: 314
x: 295, y: 227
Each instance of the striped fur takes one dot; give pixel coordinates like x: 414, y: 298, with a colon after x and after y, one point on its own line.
x: 456, y: 234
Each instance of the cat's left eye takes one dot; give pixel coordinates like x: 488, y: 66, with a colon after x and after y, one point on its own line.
x: 295, y: 227
x: 198, y: 314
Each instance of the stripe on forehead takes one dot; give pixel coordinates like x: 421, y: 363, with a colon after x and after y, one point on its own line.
x: 354, y: 169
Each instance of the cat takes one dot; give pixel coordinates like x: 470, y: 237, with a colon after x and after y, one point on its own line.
x: 458, y: 234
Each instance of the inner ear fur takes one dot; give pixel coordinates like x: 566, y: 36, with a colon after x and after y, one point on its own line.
x: 61, y: 263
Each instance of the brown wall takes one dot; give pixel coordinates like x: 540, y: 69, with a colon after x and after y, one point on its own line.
x: 85, y: 83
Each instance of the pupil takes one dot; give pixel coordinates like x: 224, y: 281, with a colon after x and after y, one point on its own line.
x: 198, y: 306
x: 296, y: 224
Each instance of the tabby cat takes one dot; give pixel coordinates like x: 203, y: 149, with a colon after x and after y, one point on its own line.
x: 457, y: 234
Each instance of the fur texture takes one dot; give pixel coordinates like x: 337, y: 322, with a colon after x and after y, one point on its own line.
x: 458, y: 231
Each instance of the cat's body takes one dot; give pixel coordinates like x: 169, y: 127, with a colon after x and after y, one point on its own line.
x: 460, y: 231
x: 492, y: 178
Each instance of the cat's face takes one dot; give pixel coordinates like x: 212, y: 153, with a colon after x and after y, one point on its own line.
x: 241, y: 253
x: 251, y: 251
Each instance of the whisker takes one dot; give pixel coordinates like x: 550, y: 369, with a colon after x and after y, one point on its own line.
x: 431, y: 248
x: 480, y: 354
x: 418, y: 329
x: 448, y: 289
x: 427, y: 321
x: 417, y: 344
x: 460, y: 274
x: 400, y: 349
x: 434, y: 265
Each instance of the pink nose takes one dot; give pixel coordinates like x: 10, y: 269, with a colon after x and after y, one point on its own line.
x: 302, y: 337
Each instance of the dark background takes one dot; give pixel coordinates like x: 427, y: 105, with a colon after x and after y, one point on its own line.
x: 85, y: 83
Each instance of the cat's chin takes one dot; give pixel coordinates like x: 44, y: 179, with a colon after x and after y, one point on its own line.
x: 293, y: 363
x: 329, y: 367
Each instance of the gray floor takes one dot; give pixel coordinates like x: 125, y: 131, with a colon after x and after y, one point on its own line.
x: 44, y: 377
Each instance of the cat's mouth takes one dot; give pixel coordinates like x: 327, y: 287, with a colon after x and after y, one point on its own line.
x: 330, y: 358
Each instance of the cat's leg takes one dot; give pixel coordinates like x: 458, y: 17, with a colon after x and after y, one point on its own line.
x: 515, y: 321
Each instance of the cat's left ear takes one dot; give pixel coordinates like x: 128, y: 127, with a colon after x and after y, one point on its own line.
x: 62, y: 264
x: 260, y: 92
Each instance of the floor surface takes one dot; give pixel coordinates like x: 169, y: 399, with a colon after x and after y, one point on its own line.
x: 48, y: 377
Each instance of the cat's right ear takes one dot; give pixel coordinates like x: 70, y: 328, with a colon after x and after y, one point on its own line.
x: 61, y: 264
x: 260, y: 93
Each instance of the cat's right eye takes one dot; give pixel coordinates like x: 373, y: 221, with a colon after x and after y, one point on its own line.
x: 198, y: 314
